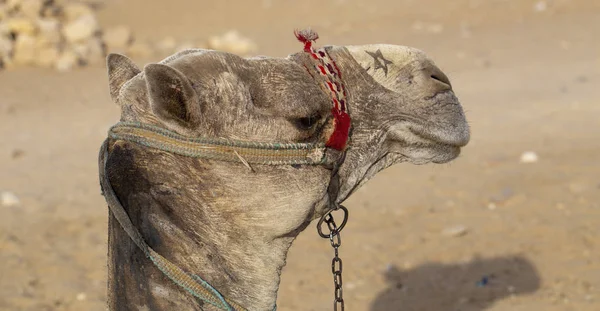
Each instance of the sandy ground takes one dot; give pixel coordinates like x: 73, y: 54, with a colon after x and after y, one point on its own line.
x: 529, y: 80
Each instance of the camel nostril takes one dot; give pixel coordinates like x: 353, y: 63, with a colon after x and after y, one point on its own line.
x: 441, y: 78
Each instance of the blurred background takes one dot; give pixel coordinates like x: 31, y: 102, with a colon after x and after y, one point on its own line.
x: 513, y: 224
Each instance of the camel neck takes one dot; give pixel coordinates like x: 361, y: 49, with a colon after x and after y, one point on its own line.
x: 198, y: 230
x: 247, y: 274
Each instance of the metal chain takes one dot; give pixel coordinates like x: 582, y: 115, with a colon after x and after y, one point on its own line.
x: 336, y: 263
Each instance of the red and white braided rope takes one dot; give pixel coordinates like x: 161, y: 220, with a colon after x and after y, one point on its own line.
x: 328, y: 69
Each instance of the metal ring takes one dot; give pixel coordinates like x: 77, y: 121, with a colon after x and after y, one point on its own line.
x: 339, y: 229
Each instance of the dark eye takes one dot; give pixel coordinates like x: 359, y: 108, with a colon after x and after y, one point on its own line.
x: 307, y: 122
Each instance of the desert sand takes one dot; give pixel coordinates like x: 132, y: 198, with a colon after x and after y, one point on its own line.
x: 486, y: 232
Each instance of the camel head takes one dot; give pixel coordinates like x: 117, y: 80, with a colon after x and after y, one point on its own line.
x: 402, y: 109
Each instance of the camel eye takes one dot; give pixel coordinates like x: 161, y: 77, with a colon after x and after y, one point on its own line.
x: 307, y: 122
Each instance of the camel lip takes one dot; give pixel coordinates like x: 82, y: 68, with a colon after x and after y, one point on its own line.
x: 440, y: 137
x: 432, y: 149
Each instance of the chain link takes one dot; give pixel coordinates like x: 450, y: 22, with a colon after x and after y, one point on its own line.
x: 336, y: 263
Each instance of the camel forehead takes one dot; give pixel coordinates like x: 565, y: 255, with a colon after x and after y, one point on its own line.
x: 384, y: 62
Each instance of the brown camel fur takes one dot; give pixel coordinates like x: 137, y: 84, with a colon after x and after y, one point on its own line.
x: 233, y: 226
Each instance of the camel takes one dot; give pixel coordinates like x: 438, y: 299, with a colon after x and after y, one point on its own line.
x: 230, y: 218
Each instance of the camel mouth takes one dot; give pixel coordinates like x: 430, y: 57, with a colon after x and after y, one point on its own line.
x: 420, y: 145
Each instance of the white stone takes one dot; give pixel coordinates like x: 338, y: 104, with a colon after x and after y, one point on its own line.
x: 456, y: 231
x: 117, y: 38
x: 47, y: 56
x: 31, y: 8
x: 18, y: 25
x: 6, y: 47
x: 90, y: 51
x: 167, y: 45
x: 140, y: 49
x: 24, y: 50
x: 529, y: 157
x: 80, y: 29
x: 232, y: 42
x: 66, y: 61
x: 9, y: 199
x: 81, y: 297
x: 185, y: 46
x: 49, y: 30
x: 12, y: 4
x: 3, y: 11
x: 74, y: 10
x: 540, y: 6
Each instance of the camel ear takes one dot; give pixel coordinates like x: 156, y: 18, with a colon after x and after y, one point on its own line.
x: 171, y: 95
x: 120, y: 70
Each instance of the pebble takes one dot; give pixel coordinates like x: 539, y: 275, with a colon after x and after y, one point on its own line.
x: 540, y: 6
x: 140, y: 49
x: 75, y: 10
x: 17, y: 153
x: 529, y: 157
x: 89, y: 51
x: 232, y: 42
x: 167, y: 45
x: 117, y: 38
x: 186, y: 46
x: 456, y: 231
x: 66, y: 61
x: 81, y: 297
x: 31, y: 8
x: 80, y: 29
x: 12, y: 4
x: 24, y: 50
x: 18, y: 25
x: 9, y: 199
x: 6, y: 47
x: 49, y: 30
x: 433, y: 28
x: 47, y: 57
x: 505, y: 195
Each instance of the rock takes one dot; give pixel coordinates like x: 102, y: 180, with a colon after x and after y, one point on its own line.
x: 51, y: 10
x: 185, y: 46
x: 232, y: 42
x: 66, y: 61
x: 24, y: 50
x: 503, y: 196
x: 49, y: 31
x: 31, y: 8
x: 75, y: 10
x: 3, y: 11
x: 90, y: 52
x: 540, y: 6
x: 8, y: 199
x: 456, y: 231
x: 117, y: 39
x: 13, y: 4
x: 81, y: 297
x: 529, y: 157
x: 578, y: 187
x: 465, y: 29
x: 17, y: 154
x: 47, y: 56
x: 167, y: 45
x: 435, y: 28
x: 80, y: 29
x: 18, y: 26
x: 6, y: 47
x: 140, y: 49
